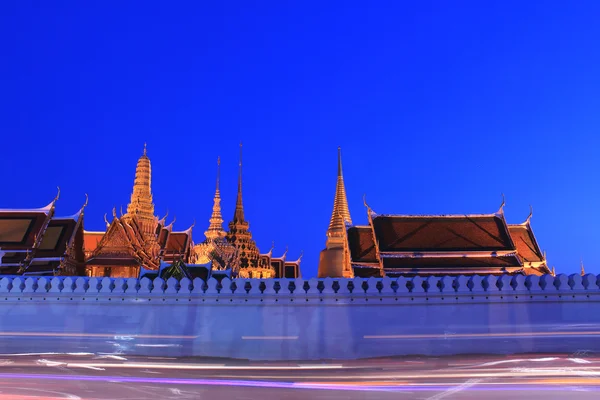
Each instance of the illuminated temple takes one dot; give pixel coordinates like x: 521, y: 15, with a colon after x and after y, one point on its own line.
x: 409, y: 245
x: 136, y: 243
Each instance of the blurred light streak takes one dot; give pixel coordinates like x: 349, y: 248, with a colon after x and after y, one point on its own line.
x: 270, y: 337
x: 184, y: 366
x: 96, y: 335
x: 485, y: 335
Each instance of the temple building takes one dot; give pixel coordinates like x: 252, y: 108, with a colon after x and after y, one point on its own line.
x: 236, y: 249
x: 36, y: 242
x: 409, y: 245
x: 136, y: 243
x: 136, y: 239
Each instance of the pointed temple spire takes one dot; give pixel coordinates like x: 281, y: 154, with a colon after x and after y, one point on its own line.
x: 238, y: 215
x: 239, y: 234
x: 141, y: 205
x: 582, y: 269
x: 341, y: 213
x: 334, y: 260
x: 215, y: 229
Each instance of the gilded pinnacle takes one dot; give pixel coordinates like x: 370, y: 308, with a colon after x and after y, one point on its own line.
x: 215, y: 229
x: 341, y: 212
x: 238, y: 215
x: 141, y: 204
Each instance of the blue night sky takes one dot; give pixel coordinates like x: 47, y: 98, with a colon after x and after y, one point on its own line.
x: 440, y: 107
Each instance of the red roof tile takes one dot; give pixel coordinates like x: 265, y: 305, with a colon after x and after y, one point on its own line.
x: 435, y: 233
x: 524, y: 240
x: 362, y: 247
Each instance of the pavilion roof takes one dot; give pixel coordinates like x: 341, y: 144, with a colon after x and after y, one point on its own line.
x: 442, y: 232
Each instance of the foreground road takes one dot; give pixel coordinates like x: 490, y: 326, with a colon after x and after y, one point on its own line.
x: 118, y: 377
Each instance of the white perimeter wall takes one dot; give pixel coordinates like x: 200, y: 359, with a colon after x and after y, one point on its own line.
x: 379, y: 317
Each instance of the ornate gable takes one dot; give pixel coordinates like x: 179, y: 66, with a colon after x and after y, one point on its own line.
x: 115, y: 243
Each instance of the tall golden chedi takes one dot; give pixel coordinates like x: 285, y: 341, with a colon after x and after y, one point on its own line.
x: 334, y: 260
x: 137, y: 239
x: 141, y: 206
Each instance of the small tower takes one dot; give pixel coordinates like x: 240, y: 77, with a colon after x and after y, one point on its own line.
x: 215, y: 229
x: 141, y: 206
x: 239, y: 234
x: 334, y: 260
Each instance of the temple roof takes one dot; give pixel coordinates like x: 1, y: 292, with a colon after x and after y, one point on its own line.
x: 442, y: 232
x: 453, y: 262
x: 18, y: 228
x: 91, y: 240
x: 56, y: 238
x: 362, y: 247
x: 524, y: 240
x: 177, y: 242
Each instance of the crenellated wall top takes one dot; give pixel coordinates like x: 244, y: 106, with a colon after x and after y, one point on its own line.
x: 450, y: 288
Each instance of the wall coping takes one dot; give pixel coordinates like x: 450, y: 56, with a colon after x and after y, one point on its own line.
x: 377, y: 290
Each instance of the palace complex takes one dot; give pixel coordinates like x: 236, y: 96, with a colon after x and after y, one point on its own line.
x: 409, y: 245
x: 138, y: 243
x: 135, y: 244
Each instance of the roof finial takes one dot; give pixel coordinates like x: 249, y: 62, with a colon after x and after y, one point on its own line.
x: 501, y: 209
x: 115, y: 212
x: 57, y: 195
x: 339, y: 161
x: 106, y: 221
x: 121, y: 211
x: 300, y: 258
x: 86, y: 201
x: 530, y: 214
x: 582, y: 269
x: 145, y: 150
x: 553, y: 272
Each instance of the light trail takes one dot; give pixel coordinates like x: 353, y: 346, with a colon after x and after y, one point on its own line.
x: 482, y: 335
x: 269, y: 337
x: 95, y: 335
x: 281, y: 385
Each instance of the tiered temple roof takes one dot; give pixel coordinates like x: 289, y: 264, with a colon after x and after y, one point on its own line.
x: 36, y: 242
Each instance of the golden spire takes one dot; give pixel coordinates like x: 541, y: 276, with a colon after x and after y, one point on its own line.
x: 553, y: 272
x: 341, y: 213
x: 239, y: 235
x: 141, y: 204
x: 582, y: 269
x: 238, y: 215
x: 215, y: 229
